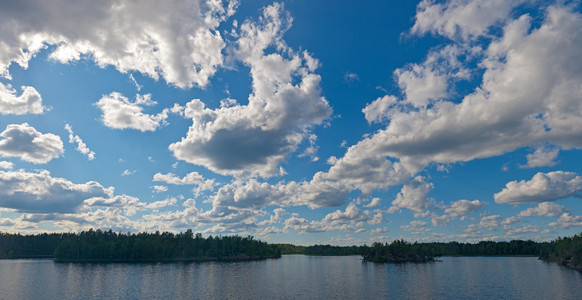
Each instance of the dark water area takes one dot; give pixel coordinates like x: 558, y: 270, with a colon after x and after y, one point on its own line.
x: 292, y: 277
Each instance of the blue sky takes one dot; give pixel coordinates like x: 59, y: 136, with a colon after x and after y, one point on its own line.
x: 295, y: 121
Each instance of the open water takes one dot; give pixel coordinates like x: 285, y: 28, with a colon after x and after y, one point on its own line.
x: 292, y: 277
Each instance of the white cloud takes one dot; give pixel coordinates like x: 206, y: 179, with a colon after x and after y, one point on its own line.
x: 542, y: 157
x: 193, y: 178
x: 273, y: 219
x: 567, y: 220
x: 40, y: 192
x: 523, y: 229
x: 351, y: 214
x: 6, y: 165
x: 286, y: 101
x: 421, y: 84
x: 461, y: 18
x: 162, y: 203
x: 415, y: 227
x: 160, y: 188
x: 351, y: 77
x: 311, y: 150
x: 547, y: 209
x: 176, y: 40
x: 81, y: 146
x: 464, y: 207
x: 374, y: 202
x: 414, y: 196
x: 24, y: 142
x: 378, y: 110
x: 120, y: 113
x: 127, y: 172
x: 378, y: 218
x: 29, y: 100
x: 540, y: 105
x: 490, y: 222
x: 541, y: 188
x: 379, y: 230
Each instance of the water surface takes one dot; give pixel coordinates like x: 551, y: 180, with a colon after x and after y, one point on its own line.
x: 292, y: 277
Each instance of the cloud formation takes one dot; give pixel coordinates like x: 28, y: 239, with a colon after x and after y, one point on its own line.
x: 176, y: 40
x: 547, y: 209
x: 42, y: 193
x: 81, y: 146
x: 25, y: 142
x: 461, y: 18
x: 28, y: 102
x: 541, y: 188
x: 120, y: 113
x: 286, y: 101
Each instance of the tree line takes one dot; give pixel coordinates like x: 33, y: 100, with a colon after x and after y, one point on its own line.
x: 97, y: 245
x: 566, y: 251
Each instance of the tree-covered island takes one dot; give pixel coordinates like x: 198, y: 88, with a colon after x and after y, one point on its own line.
x: 97, y: 245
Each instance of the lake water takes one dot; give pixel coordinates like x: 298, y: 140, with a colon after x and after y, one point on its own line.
x: 292, y: 277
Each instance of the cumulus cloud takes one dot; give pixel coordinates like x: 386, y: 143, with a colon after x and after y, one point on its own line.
x: 464, y: 207
x: 162, y: 203
x: 541, y: 188
x: 567, y: 220
x: 120, y: 113
x: 193, y: 178
x: 275, y: 218
x: 159, y: 188
x: 285, y: 103
x: 374, y: 202
x: 461, y: 18
x: 378, y: 110
x: 497, y: 117
x: 542, y: 157
x: 81, y: 146
x: 42, y: 193
x: 25, y: 142
x: 6, y: 165
x: 415, y: 227
x: 311, y: 150
x: 414, y: 196
x: 29, y: 101
x: 176, y: 40
x: 351, y: 214
x: 490, y: 222
x: 540, y: 105
x: 547, y: 209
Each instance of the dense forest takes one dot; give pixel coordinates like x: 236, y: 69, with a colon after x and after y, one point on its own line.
x: 400, y: 250
x: 566, y: 251
x: 325, y: 250
x: 97, y: 245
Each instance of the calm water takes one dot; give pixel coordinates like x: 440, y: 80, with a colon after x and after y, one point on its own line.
x: 293, y: 277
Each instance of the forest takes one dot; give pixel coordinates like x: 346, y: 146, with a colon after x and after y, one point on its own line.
x: 97, y: 245
x: 566, y: 251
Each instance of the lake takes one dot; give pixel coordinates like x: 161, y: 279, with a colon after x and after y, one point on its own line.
x: 292, y: 277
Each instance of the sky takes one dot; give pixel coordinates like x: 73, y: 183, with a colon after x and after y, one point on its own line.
x: 308, y: 122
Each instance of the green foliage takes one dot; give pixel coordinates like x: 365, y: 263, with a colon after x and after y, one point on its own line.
x: 97, y: 245
x: 398, y: 251
x: 566, y: 251
x: 29, y: 246
x: 401, y: 251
